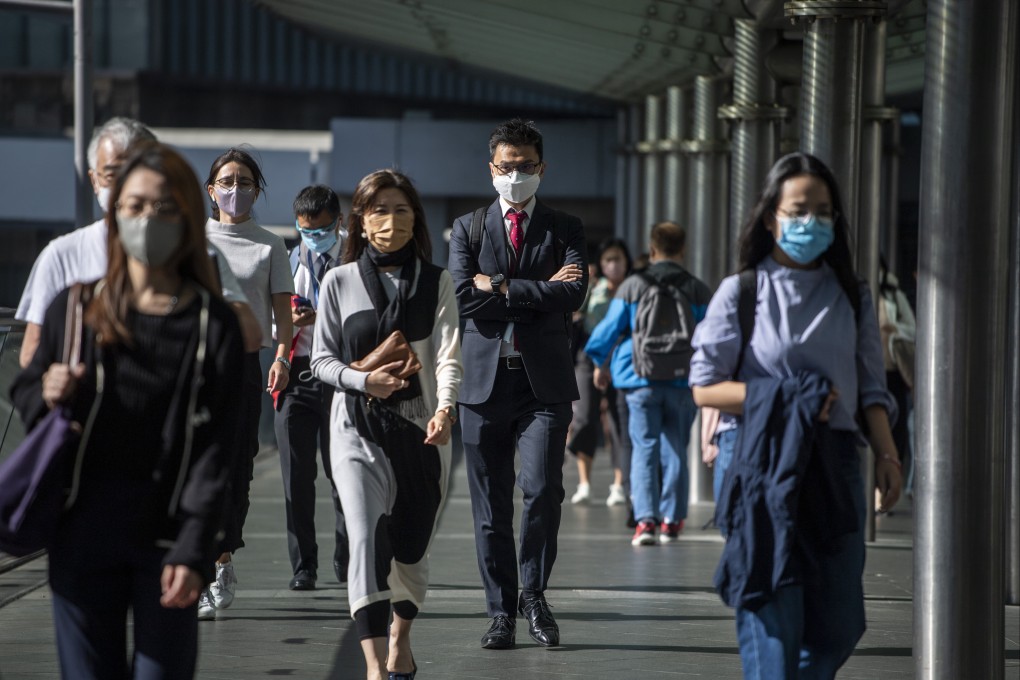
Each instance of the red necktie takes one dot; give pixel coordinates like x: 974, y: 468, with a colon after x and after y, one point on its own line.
x: 517, y: 241
x: 517, y: 231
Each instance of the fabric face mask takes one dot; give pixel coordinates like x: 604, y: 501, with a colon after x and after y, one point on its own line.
x: 103, y: 198
x: 320, y: 240
x: 805, y: 239
x: 516, y: 187
x: 149, y: 239
x: 233, y: 202
x: 389, y: 233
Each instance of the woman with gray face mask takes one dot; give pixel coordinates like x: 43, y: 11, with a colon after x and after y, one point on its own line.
x: 260, y: 262
x: 161, y: 356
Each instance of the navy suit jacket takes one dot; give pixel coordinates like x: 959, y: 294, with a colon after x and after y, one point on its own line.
x: 539, y: 308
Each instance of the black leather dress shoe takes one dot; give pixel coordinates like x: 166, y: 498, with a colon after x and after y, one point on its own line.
x: 502, y: 633
x: 303, y: 580
x: 340, y: 570
x: 541, y: 625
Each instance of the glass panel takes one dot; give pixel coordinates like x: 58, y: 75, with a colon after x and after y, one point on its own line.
x: 11, y: 429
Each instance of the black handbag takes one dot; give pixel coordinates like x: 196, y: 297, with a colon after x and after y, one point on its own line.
x: 37, y: 481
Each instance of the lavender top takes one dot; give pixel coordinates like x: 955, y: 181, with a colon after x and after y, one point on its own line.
x: 804, y: 321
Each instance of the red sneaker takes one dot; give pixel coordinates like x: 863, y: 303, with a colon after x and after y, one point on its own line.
x: 669, y: 532
x: 644, y: 534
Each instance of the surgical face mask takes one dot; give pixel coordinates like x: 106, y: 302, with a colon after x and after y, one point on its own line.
x: 150, y: 239
x: 235, y: 202
x: 516, y: 187
x: 806, y: 238
x: 103, y: 198
x: 389, y: 233
x: 318, y: 240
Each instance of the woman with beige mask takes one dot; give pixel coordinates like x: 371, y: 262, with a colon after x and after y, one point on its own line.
x: 391, y: 417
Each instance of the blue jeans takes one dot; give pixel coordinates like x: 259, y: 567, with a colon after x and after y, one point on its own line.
x: 727, y: 443
x: 660, y: 428
x: 808, y: 631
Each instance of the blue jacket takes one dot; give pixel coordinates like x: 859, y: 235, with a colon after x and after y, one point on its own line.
x: 782, y: 499
x: 619, y: 321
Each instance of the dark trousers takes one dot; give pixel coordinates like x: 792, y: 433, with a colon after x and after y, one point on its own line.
x: 247, y: 447
x: 513, y: 416
x: 93, y: 590
x: 302, y: 429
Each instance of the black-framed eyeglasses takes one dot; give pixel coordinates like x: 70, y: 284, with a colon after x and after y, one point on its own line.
x: 136, y: 208
x: 525, y: 168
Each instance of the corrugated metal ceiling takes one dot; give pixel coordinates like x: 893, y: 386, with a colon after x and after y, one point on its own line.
x: 616, y: 49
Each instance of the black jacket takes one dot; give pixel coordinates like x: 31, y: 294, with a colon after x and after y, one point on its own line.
x: 782, y: 498
x: 192, y: 488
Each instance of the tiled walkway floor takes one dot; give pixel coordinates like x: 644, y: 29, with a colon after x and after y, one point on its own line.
x: 625, y: 613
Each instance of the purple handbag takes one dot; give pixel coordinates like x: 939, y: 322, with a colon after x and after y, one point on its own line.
x: 35, y: 479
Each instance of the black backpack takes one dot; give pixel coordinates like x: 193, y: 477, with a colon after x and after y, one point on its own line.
x: 663, y: 326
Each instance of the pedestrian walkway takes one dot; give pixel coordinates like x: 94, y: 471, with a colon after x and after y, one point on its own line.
x: 625, y: 612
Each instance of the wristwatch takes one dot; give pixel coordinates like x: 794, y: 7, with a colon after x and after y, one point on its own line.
x: 285, y: 361
x: 451, y: 413
x: 496, y: 280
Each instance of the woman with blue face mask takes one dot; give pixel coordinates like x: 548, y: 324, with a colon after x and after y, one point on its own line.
x: 812, y: 335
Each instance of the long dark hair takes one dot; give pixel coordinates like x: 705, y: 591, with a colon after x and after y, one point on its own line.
x: 107, y: 312
x: 235, y: 155
x: 364, y: 200
x: 614, y: 242
x: 756, y: 240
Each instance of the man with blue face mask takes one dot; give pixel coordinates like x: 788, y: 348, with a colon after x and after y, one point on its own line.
x: 302, y: 408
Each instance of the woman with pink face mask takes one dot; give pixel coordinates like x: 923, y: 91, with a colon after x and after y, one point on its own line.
x: 389, y: 436
x: 259, y: 260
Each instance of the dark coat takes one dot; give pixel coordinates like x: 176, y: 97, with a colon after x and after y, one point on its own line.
x: 193, y: 489
x: 539, y: 308
x: 783, y: 499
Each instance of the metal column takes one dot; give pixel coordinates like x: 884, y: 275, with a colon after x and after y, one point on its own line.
x: 707, y: 226
x: 652, y: 162
x: 1012, y: 396
x: 620, y: 203
x: 967, y: 137
x: 830, y: 110
x: 755, y: 117
x: 83, y: 109
x: 633, y: 228
x: 676, y: 190
x: 891, y: 197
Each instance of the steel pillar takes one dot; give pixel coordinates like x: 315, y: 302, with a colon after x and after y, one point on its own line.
x: 830, y: 107
x: 633, y: 226
x: 620, y: 202
x: 967, y: 140
x: 869, y: 213
x: 652, y: 189
x: 83, y: 109
x: 707, y: 225
x: 755, y: 118
x: 676, y: 190
x: 891, y: 197
x: 1012, y: 401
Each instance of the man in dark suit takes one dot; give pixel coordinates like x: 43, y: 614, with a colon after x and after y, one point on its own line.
x: 517, y: 280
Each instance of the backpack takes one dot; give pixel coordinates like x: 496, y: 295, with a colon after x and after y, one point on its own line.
x: 662, y: 332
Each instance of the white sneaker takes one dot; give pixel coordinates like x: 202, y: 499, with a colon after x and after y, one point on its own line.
x: 582, y: 495
x: 206, y: 608
x: 222, y: 589
x: 616, y: 495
